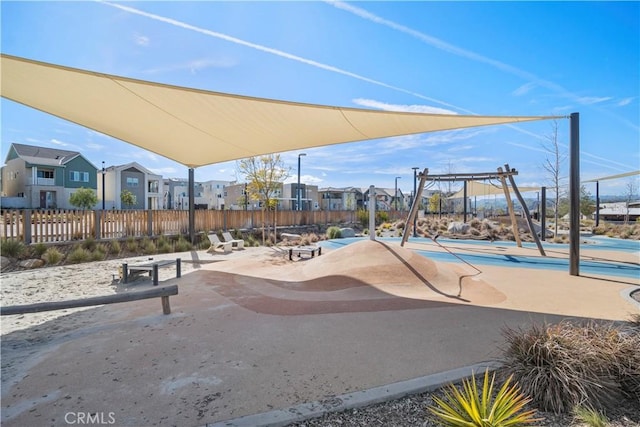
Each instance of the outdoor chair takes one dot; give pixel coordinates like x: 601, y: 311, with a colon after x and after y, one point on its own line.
x: 216, y: 244
x: 228, y: 238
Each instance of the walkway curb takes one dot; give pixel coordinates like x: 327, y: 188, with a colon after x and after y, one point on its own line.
x: 306, y: 411
x: 627, y: 295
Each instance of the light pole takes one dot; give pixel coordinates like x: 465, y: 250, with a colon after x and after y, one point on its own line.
x: 103, y: 185
x: 298, y: 207
x: 395, y: 194
x: 415, y: 199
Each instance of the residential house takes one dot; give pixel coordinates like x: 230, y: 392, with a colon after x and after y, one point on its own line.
x: 308, y: 195
x: 214, y: 193
x: 40, y: 177
x: 176, y: 194
x: 386, y: 200
x: 146, y: 187
x: 345, y: 198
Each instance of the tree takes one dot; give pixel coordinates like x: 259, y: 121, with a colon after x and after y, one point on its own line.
x: 264, y: 176
x: 127, y: 198
x: 587, y: 207
x: 434, y: 202
x: 553, y: 163
x: 630, y: 193
x: 83, y: 198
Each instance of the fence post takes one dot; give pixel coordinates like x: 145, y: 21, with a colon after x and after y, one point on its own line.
x: 149, y: 222
x: 97, y: 221
x: 27, y: 226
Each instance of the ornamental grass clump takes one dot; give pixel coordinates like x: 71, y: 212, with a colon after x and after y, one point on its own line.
x: 565, y: 365
x: 334, y: 232
x: 12, y: 248
x: 52, y: 256
x: 470, y: 407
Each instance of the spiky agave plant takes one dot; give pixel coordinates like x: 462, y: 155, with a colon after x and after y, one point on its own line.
x: 469, y: 408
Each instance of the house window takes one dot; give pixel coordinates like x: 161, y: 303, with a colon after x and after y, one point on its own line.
x: 75, y: 176
x: 45, y: 174
x: 132, y: 182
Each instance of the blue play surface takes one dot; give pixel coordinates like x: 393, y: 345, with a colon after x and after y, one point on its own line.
x: 587, y: 266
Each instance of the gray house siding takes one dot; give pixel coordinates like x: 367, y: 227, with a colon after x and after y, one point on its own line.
x: 133, y: 181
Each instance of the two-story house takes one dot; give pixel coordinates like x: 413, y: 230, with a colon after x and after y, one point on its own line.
x: 145, y: 186
x: 387, y: 199
x: 45, y: 177
x: 336, y: 199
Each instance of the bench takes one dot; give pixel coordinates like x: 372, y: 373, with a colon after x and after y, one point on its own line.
x: 310, y: 250
x: 163, y: 292
x: 152, y: 267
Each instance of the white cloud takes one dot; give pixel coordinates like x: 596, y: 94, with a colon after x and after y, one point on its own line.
x: 524, y: 89
x: 60, y: 143
x: 625, y: 101
x: 141, y: 40
x: 194, y: 66
x: 94, y: 146
x: 163, y: 171
x: 590, y: 100
x: 403, y: 108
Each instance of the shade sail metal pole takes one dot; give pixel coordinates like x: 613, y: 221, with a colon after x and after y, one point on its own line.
x: 464, y: 199
x: 526, y: 212
x: 597, y: 203
x: 543, y: 213
x: 372, y: 212
x: 574, y: 195
x: 192, y: 208
x: 414, y: 208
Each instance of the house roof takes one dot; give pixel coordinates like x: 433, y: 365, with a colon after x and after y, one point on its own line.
x: 197, y: 127
x: 43, y: 155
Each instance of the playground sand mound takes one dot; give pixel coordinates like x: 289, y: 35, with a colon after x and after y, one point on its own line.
x: 387, y: 267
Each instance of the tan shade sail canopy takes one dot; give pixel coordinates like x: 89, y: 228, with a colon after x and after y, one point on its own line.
x: 478, y: 189
x: 196, y: 127
x: 618, y: 176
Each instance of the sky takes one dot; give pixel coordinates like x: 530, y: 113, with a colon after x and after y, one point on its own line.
x: 485, y: 58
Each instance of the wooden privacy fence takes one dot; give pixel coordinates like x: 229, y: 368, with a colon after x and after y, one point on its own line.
x: 60, y: 225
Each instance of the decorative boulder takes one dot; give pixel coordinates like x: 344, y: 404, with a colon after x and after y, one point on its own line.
x: 347, y: 232
x: 4, y: 262
x: 458, y: 228
x: 31, y: 263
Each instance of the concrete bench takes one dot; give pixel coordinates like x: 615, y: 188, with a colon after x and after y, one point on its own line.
x: 130, y: 271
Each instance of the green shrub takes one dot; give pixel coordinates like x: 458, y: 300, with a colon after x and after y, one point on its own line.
x: 132, y: 245
x: 381, y: 217
x: 79, y: 255
x: 470, y: 407
x: 99, y: 253
x: 115, y: 248
x: 148, y: 247
x: 164, y: 247
x: 89, y: 243
x: 183, y: 245
x: 39, y: 249
x: 363, y: 217
x: 52, y: 256
x: 12, y: 248
x: 334, y: 232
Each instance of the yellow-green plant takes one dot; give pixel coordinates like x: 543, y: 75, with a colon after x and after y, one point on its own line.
x: 590, y: 416
x: 470, y: 408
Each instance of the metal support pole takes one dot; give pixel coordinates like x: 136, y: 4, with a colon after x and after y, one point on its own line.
x: 416, y: 199
x: 527, y: 215
x: 597, y: 203
x: 372, y: 212
x: 192, y: 207
x: 543, y: 213
x: 574, y: 195
x: 464, y: 199
x: 103, y: 204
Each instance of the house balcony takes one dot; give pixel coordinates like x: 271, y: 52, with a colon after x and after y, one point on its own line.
x: 45, y: 182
